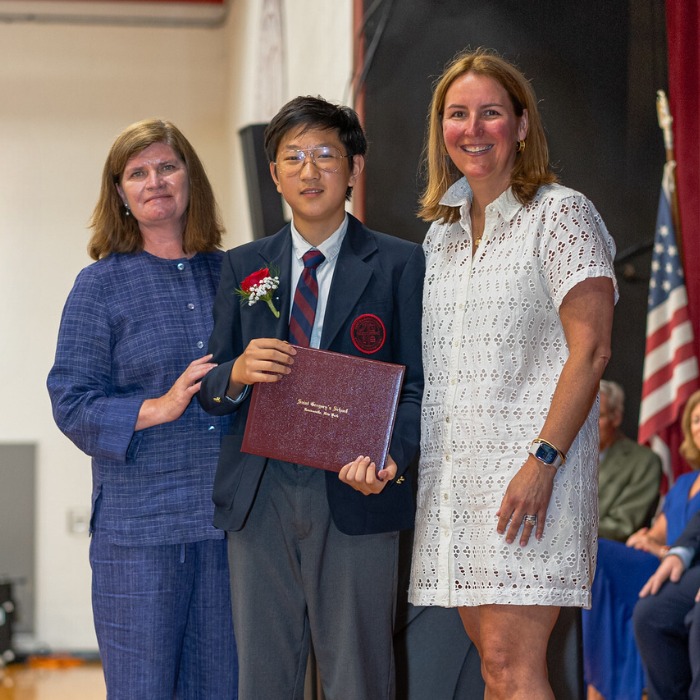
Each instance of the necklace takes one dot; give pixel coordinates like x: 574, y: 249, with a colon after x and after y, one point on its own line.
x: 477, y: 241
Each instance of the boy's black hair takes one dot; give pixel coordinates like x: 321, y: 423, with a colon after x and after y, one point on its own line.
x: 316, y: 113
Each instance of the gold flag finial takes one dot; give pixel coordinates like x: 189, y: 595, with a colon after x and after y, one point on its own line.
x: 665, y: 122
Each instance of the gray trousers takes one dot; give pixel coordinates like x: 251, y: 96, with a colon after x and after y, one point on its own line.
x: 296, y: 577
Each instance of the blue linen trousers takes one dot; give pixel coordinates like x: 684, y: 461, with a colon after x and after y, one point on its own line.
x: 163, y: 620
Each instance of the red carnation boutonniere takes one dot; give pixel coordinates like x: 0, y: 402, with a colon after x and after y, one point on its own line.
x: 259, y: 286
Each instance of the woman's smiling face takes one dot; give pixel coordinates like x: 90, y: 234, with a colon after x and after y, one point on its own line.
x: 481, y: 130
x: 695, y: 425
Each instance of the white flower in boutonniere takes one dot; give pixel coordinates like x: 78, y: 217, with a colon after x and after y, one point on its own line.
x: 259, y: 286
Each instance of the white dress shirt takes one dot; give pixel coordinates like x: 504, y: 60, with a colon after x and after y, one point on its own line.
x: 324, y: 272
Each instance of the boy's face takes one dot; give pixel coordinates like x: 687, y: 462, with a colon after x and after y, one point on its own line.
x: 315, y: 195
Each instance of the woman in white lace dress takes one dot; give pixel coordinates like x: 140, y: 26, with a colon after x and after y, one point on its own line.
x: 518, y: 308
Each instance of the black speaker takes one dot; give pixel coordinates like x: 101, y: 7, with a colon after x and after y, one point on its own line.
x: 7, y: 615
x: 264, y: 201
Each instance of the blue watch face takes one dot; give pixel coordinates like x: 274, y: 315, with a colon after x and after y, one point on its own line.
x: 546, y: 454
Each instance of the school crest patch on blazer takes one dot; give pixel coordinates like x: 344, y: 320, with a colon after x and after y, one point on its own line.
x: 368, y: 333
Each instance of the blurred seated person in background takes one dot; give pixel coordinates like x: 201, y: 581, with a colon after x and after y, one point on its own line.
x: 667, y: 620
x: 612, y: 665
x: 629, y: 475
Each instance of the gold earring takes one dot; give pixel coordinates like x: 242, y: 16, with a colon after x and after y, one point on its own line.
x: 520, y: 146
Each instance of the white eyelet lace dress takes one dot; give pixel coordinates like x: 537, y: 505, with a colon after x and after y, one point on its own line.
x: 493, y: 350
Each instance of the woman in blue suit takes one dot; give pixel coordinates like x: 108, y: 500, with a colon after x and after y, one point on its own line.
x: 130, y: 359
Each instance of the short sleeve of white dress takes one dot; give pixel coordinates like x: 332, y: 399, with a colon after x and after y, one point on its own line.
x: 493, y: 350
x: 574, y: 242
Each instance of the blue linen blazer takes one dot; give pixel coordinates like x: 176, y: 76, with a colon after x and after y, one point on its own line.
x: 131, y: 325
x: 375, y: 274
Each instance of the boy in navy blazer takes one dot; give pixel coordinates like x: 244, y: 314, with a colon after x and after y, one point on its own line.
x: 313, y: 553
x: 667, y: 621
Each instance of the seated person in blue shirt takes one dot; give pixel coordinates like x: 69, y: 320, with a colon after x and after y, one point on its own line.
x: 314, y: 553
x: 131, y: 355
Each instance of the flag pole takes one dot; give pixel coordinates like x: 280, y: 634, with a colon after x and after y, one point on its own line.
x: 663, y: 113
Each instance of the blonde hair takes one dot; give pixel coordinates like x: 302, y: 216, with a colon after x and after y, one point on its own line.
x: 531, y: 169
x: 688, y: 448
x: 114, y: 232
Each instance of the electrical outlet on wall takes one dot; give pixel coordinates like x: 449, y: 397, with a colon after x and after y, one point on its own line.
x: 79, y: 521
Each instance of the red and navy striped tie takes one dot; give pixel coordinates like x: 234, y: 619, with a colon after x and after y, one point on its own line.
x: 305, y: 300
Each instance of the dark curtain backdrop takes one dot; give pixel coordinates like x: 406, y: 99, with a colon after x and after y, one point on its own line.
x: 595, y: 67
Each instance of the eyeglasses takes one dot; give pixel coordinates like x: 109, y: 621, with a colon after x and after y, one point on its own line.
x: 326, y: 158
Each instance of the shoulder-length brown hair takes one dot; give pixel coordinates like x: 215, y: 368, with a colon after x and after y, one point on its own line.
x: 531, y: 169
x: 688, y: 448
x: 114, y: 232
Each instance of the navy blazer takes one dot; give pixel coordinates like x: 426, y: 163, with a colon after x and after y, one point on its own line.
x: 375, y: 274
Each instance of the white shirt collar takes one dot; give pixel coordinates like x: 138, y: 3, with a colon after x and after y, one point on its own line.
x: 330, y: 247
x: 460, y: 195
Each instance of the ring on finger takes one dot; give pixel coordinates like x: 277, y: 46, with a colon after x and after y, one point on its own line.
x: 530, y: 519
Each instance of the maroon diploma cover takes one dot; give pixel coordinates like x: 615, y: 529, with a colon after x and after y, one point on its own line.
x: 328, y: 410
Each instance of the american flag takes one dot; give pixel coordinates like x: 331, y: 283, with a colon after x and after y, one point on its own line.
x: 670, y: 365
